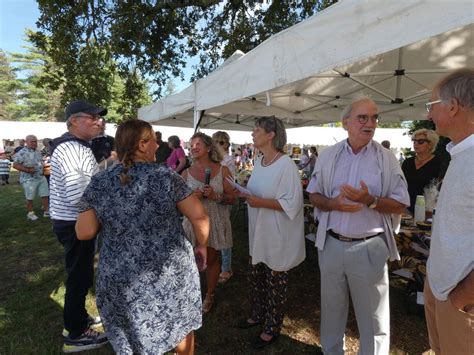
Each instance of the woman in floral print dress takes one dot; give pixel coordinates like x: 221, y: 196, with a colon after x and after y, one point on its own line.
x: 148, y: 291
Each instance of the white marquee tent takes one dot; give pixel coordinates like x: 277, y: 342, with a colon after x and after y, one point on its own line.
x: 392, y: 51
x: 321, y: 136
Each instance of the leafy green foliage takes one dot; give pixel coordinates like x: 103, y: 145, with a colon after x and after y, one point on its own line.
x: 8, y: 85
x: 156, y: 37
x: 44, y: 89
x: 38, y: 96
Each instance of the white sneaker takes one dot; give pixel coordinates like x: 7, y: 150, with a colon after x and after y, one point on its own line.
x: 31, y: 216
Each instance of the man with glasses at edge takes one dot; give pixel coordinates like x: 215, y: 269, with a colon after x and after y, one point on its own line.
x: 449, y: 285
x: 356, y: 187
x: 72, y: 166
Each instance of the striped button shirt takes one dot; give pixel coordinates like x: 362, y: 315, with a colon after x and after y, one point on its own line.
x: 72, y: 166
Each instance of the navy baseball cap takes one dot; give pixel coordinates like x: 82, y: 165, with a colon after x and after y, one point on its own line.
x: 84, y: 106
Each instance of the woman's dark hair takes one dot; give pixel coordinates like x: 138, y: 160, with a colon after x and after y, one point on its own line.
x: 314, y: 150
x: 127, y: 138
x: 175, y: 141
x: 273, y: 124
x: 214, y: 154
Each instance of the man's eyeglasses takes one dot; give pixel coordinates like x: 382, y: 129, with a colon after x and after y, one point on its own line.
x: 429, y: 105
x: 420, y: 141
x: 363, y: 119
x: 220, y: 142
x: 90, y: 117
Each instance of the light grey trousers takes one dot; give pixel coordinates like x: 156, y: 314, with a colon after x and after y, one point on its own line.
x: 361, y: 269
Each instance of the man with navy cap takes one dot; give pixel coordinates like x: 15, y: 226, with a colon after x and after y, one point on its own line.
x: 72, y: 166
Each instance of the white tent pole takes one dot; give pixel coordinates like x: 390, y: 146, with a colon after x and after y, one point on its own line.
x: 417, y: 82
x: 347, y: 75
x: 269, y: 101
x: 421, y: 94
x: 378, y: 73
x: 399, y: 77
x: 197, y: 119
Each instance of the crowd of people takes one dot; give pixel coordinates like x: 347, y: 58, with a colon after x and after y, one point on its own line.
x: 164, y: 217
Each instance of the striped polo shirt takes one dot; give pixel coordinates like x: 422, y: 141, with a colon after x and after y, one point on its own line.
x: 72, y: 166
x: 4, y: 166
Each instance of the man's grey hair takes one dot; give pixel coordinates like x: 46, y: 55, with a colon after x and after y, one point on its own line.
x: 68, y: 120
x: 458, y: 85
x: 346, y: 112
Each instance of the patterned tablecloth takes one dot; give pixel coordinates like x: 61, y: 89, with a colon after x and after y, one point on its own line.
x: 414, y: 248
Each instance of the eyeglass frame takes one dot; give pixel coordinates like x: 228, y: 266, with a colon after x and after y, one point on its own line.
x: 429, y: 105
x: 423, y: 141
x: 94, y: 118
x: 363, y: 119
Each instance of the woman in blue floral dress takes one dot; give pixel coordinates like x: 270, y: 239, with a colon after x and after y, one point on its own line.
x: 148, y: 290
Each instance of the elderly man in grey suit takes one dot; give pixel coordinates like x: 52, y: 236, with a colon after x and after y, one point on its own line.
x: 359, y: 192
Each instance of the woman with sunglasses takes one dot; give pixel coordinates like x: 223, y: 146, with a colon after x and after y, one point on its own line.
x: 276, y: 236
x: 208, y: 179
x: 222, y: 143
x: 424, y: 167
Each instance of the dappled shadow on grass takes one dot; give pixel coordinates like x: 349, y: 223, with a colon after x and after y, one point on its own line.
x: 31, y: 281
x: 300, y: 333
x: 31, y: 295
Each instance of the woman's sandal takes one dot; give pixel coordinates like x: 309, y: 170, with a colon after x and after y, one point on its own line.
x: 259, y: 343
x: 244, y: 323
x: 208, y: 303
x: 224, y: 277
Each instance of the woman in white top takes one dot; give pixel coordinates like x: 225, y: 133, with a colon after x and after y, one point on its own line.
x: 276, y: 237
x: 222, y: 143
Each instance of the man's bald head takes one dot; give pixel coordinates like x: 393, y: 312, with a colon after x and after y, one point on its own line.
x: 31, y: 141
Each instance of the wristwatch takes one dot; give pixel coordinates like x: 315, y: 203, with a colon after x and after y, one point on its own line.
x: 374, y: 204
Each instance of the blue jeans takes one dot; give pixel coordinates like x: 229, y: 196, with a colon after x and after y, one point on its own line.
x: 226, y: 263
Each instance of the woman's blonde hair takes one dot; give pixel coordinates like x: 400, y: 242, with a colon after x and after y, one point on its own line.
x: 430, y: 135
x: 128, y: 136
x: 214, y: 154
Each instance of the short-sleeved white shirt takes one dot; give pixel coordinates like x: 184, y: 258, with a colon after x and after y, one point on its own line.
x: 276, y: 238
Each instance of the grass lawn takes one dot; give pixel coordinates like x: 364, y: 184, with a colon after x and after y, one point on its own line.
x: 32, y: 289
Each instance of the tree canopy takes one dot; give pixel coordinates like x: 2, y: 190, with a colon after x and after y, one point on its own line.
x: 34, y: 88
x: 154, y: 38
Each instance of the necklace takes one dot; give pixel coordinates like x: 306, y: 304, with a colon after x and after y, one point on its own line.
x: 265, y: 165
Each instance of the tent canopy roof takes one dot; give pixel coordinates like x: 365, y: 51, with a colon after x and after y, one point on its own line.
x: 393, y: 52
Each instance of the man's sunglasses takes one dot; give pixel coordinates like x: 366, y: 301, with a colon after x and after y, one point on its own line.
x: 420, y: 141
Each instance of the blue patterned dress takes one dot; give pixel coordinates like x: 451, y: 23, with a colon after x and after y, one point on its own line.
x: 148, y: 290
